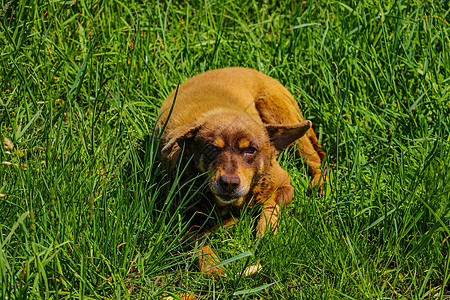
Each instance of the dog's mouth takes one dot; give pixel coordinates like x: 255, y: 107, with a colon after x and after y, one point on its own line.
x: 225, y: 199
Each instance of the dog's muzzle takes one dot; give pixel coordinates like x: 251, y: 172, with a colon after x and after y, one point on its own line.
x: 228, y: 189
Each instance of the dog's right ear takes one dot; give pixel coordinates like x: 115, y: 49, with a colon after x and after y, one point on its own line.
x: 179, y: 138
x: 282, y: 135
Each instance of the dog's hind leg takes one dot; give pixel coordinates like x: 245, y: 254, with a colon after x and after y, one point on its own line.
x: 311, y: 151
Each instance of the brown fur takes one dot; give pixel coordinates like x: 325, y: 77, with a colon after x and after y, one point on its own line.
x: 235, y: 122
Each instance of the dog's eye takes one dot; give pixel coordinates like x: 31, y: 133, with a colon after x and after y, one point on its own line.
x: 211, y: 152
x: 250, y: 151
x: 212, y: 148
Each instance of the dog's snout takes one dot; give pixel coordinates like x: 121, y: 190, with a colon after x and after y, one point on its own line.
x: 229, y: 182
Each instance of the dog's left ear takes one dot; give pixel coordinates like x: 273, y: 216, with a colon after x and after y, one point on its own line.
x: 179, y: 138
x: 282, y: 135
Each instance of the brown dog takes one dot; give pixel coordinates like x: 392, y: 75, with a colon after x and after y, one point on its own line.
x: 231, y: 124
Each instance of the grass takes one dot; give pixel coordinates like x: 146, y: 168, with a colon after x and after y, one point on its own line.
x: 83, y: 216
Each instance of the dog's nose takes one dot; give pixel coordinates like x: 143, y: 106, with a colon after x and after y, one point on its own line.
x: 229, y: 182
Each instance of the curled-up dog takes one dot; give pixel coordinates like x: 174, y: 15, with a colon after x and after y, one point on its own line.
x: 230, y: 125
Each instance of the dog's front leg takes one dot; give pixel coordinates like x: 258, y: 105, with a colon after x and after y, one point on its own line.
x: 268, y: 219
x: 207, y: 258
x: 271, y: 208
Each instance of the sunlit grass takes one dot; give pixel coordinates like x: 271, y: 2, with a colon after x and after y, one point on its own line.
x: 84, y: 215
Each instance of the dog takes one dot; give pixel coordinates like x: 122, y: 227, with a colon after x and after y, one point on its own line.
x: 231, y: 125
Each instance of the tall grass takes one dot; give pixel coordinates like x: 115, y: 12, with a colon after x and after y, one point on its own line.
x: 84, y: 216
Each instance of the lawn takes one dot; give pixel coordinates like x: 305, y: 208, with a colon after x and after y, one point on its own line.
x: 84, y: 215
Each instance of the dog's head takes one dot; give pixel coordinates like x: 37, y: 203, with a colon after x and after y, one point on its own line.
x: 234, y: 150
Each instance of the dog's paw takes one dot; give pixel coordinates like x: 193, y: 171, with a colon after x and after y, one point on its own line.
x: 207, y: 267
x: 213, y: 271
x: 318, y: 185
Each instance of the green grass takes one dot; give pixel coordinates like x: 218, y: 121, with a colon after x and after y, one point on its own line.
x: 83, y: 217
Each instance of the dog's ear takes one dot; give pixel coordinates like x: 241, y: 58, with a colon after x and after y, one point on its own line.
x: 180, y: 136
x: 282, y: 135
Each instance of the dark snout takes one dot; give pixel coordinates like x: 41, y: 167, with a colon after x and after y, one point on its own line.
x: 228, y: 188
x: 229, y: 183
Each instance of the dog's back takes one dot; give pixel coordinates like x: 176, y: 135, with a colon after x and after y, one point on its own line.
x: 230, y: 89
